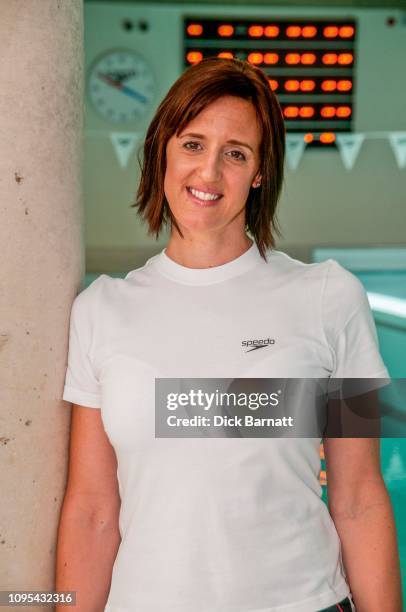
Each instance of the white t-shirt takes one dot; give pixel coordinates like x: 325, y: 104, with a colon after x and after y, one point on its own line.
x: 218, y: 524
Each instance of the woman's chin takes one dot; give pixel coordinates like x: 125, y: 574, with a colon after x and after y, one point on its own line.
x: 199, y: 226
x: 209, y: 221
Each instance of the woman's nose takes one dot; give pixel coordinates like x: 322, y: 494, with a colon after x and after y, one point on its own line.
x: 210, y: 167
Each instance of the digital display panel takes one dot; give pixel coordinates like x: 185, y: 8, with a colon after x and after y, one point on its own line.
x: 309, y: 64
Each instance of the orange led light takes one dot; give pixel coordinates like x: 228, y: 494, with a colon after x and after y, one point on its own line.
x: 291, y: 85
x: 225, y: 30
x: 322, y: 451
x: 255, y: 58
x: 271, y: 31
x: 327, y: 137
x: 346, y: 31
x: 328, y: 111
x: 308, y: 58
x: 329, y: 58
x: 306, y: 112
x: 194, y: 29
x: 225, y: 54
x: 307, y: 85
x: 194, y: 57
x: 344, y: 85
x: 330, y: 31
x: 309, y: 31
x: 293, y: 31
x: 343, y: 112
x: 329, y: 85
x: 291, y: 111
x: 273, y: 84
x: 256, y: 31
x: 292, y: 58
x: 345, y: 58
x: 308, y: 138
x: 271, y: 58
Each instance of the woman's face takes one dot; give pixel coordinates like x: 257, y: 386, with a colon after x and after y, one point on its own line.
x: 211, y: 166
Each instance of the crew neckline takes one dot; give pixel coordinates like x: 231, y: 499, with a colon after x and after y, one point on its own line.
x: 206, y: 276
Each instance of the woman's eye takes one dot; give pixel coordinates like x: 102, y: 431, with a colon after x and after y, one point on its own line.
x: 238, y: 155
x: 191, y: 146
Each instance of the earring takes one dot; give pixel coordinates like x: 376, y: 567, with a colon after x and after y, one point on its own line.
x: 257, y: 184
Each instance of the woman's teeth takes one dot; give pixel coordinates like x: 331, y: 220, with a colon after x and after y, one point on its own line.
x: 204, y: 196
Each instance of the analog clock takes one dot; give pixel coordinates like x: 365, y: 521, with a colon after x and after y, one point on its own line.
x: 121, y: 86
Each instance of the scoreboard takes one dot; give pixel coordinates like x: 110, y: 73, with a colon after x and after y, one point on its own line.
x: 309, y: 64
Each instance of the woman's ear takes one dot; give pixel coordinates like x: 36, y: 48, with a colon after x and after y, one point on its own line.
x: 257, y: 181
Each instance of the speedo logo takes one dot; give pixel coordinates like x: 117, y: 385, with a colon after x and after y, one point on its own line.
x: 254, y: 345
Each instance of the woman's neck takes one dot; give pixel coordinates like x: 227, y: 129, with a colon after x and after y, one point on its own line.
x: 201, y: 252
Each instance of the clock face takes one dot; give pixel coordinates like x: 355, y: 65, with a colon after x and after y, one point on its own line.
x: 121, y: 86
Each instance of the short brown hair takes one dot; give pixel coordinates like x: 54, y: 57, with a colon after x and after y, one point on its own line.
x: 196, y: 88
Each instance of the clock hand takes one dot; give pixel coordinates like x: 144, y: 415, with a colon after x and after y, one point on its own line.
x: 129, y: 75
x: 124, y: 88
x: 121, y: 77
x: 134, y: 94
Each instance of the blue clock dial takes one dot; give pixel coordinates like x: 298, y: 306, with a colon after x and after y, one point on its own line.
x: 121, y: 86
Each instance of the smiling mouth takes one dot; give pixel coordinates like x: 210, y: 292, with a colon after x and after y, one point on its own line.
x: 204, y: 196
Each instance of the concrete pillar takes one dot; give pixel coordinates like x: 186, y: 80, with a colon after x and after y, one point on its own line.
x: 42, y: 260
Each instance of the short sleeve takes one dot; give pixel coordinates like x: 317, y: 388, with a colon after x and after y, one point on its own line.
x: 81, y: 383
x: 350, y: 327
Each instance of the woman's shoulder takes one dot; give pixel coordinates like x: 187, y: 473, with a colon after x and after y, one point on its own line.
x: 328, y: 270
x: 338, y: 288
x: 342, y: 285
x: 285, y: 264
x: 100, y: 286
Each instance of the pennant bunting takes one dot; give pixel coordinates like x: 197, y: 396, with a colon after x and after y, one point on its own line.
x: 124, y: 144
x: 349, y: 146
x: 295, y: 146
x: 398, y: 144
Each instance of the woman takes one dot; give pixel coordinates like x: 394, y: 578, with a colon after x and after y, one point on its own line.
x: 218, y: 524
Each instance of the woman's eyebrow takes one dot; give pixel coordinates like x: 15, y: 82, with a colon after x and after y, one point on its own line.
x: 232, y: 141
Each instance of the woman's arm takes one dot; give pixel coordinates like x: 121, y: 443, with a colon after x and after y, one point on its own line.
x: 88, y: 535
x: 362, y: 513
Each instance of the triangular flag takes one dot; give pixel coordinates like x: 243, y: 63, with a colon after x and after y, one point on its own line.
x: 398, y: 144
x: 349, y: 146
x: 295, y: 145
x: 396, y: 468
x: 124, y: 144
